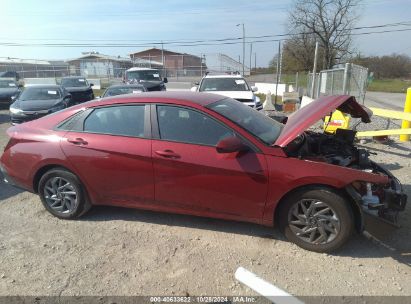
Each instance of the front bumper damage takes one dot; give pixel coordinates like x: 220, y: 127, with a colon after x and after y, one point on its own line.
x: 382, y: 218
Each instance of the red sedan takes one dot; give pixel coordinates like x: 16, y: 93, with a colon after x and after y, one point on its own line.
x: 205, y: 155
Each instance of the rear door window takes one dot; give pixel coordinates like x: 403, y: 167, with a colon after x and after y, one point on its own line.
x: 117, y: 120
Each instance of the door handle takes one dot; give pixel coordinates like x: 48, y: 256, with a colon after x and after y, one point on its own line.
x: 167, y: 154
x: 77, y: 141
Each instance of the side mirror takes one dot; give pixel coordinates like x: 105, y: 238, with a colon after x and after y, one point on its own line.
x: 91, y: 84
x: 19, y: 85
x: 254, y: 89
x: 230, y: 145
x: 196, y: 83
x: 13, y: 98
x: 193, y: 89
x: 165, y: 80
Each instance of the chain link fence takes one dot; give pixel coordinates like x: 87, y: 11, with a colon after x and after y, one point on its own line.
x: 109, y: 69
x: 351, y: 79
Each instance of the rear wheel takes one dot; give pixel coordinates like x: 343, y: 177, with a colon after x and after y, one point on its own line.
x: 62, y: 194
x: 316, y: 219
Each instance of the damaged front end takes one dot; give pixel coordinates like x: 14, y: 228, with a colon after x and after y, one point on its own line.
x: 380, y: 201
x: 377, y: 193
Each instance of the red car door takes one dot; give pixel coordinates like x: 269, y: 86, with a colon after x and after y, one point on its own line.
x: 113, y: 155
x: 191, y: 176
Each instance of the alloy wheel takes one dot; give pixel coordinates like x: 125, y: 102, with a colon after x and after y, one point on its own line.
x: 314, y: 221
x: 60, y: 195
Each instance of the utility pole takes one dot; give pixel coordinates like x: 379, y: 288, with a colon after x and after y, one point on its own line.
x: 278, y: 70
x: 251, y: 55
x: 255, y: 61
x: 243, y: 44
x: 314, y: 69
x: 201, y: 65
x: 162, y: 56
x: 281, y: 64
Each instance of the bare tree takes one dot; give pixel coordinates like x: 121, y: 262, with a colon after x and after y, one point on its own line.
x: 298, y: 53
x: 328, y: 21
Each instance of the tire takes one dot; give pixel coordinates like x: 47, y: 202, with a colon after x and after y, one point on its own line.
x: 62, y: 194
x: 324, y: 226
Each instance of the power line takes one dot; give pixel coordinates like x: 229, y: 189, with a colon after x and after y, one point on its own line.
x: 179, y: 41
x: 225, y: 41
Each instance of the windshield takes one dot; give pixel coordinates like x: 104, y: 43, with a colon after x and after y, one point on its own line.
x: 74, y: 82
x: 223, y: 84
x: 40, y: 94
x: 122, y: 90
x: 144, y: 75
x: 7, y: 84
x: 261, y: 126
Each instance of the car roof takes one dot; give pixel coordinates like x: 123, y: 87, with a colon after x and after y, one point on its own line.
x: 223, y: 76
x: 202, y: 99
x: 125, y: 86
x: 73, y: 77
x: 141, y: 69
x: 44, y: 86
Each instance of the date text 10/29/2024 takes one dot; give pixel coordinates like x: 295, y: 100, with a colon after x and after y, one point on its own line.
x: 203, y: 299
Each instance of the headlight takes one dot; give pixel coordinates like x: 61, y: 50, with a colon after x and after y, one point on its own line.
x: 15, y: 110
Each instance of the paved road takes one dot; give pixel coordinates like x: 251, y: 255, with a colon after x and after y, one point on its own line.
x: 393, y: 101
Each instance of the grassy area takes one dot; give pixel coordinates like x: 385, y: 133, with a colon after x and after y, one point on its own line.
x: 98, y: 92
x: 389, y: 85
x: 290, y: 79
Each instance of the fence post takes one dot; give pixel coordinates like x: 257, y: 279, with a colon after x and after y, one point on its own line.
x: 347, y: 77
x: 296, y: 82
x: 407, y: 109
x: 319, y: 80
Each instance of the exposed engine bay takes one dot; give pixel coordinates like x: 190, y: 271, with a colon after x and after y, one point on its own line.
x: 383, y: 201
x: 337, y: 149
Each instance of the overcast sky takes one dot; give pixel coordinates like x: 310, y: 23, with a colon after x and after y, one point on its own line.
x: 144, y: 21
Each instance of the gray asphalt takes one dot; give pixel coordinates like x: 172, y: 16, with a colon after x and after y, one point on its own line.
x: 392, y: 101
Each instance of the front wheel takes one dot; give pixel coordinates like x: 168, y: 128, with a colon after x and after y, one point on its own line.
x: 62, y: 194
x: 316, y: 219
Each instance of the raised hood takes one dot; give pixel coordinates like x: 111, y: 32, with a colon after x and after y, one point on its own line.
x: 307, y: 116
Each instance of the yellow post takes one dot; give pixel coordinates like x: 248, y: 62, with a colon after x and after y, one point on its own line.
x: 407, y: 109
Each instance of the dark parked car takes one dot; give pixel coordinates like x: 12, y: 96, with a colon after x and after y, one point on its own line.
x: 206, y: 155
x: 150, y: 78
x: 37, y: 101
x: 121, y: 89
x: 79, y: 88
x: 10, y: 74
x: 9, y: 89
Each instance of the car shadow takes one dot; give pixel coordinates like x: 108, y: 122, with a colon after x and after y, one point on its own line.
x: 392, y: 167
x: 4, y: 118
x: 358, y: 246
x: 109, y: 213
x: 7, y: 191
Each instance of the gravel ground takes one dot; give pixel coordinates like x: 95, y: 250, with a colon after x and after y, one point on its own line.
x: 114, y: 251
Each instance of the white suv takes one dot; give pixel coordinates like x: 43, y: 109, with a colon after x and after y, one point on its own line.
x: 233, y: 86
